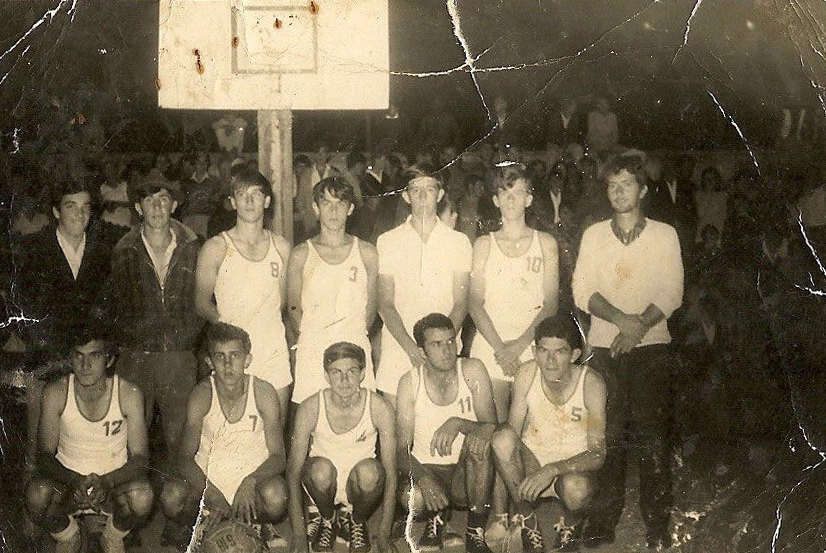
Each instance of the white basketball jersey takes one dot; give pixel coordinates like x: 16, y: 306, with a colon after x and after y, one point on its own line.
x: 229, y: 452
x: 513, y: 287
x: 86, y: 446
x: 248, y: 295
x: 428, y: 417
x: 334, y: 297
x: 556, y: 432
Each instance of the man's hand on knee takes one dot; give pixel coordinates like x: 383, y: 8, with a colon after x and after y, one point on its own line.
x: 243, y: 506
x: 435, y: 498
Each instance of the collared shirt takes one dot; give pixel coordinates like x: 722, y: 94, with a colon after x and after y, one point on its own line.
x: 73, y: 256
x: 566, y: 120
x: 161, y: 262
x: 423, y: 271
x: 628, y: 237
x: 672, y: 189
x: 556, y: 198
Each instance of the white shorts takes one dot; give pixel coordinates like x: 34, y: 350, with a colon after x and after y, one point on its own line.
x: 393, y: 364
x: 481, y: 350
x: 274, y: 367
x: 309, y: 367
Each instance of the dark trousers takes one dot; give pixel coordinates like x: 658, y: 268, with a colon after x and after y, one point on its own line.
x: 638, y: 415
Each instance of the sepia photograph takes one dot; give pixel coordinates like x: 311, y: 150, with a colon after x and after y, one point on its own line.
x: 403, y: 276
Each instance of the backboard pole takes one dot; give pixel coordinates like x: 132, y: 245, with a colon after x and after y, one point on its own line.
x: 275, y: 161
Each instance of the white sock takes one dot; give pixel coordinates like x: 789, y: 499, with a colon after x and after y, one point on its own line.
x: 67, y: 533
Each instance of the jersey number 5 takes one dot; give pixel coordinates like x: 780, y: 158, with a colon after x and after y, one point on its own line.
x: 112, y: 427
x: 576, y: 414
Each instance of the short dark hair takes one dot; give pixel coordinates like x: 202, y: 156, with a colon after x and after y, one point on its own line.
x: 354, y: 158
x: 507, y: 176
x: 434, y: 320
x: 337, y: 187
x: 250, y: 178
x: 630, y: 164
x: 303, y: 160
x: 344, y: 350
x: 562, y: 326
x: 221, y: 333
x: 419, y: 171
x: 67, y: 187
x: 92, y: 332
x: 89, y: 333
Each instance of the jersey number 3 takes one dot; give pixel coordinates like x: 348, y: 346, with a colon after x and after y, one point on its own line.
x: 112, y: 427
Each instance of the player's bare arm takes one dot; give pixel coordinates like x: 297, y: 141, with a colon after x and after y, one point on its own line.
x: 283, y: 247
x: 384, y: 421
x: 295, y: 286
x: 305, y: 421
x: 434, y: 497
x: 370, y: 257
x: 197, y: 408
x: 137, y: 442
x: 48, y: 434
x: 461, y: 284
x: 476, y: 301
x: 519, y: 397
x: 393, y: 321
x: 209, y: 262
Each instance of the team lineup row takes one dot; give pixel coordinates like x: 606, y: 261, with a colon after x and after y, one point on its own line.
x: 441, y: 445
x: 332, y: 286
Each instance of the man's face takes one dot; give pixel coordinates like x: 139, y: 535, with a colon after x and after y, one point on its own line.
x: 624, y: 192
x: 554, y: 357
x: 73, y: 213
x: 157, y: 209
x: 440, y: 348
x: 201, y: 164
x: 332, y: 212
x: 229, y: 361
x: 447, y: 155
x: 513, y: 201
x: 423, y: 194
x: 90, y: 361
x: 323, y: 156
x: 345, y: 377
x: 250, y: 203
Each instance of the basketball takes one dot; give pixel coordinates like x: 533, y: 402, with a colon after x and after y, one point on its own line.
x: 231, y: 536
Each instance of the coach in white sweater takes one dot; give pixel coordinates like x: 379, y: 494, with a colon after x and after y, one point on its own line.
x: 629, y: 277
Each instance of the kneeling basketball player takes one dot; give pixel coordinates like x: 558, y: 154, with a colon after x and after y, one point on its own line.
x: 232, y: 447
x: 92, y: 450
x: 333, y: 456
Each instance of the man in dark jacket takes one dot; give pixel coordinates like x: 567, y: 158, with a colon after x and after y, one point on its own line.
x: 150, y: 303
x: 58, y: 273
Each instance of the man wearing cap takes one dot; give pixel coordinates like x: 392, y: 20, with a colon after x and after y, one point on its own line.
x: 150, y: 299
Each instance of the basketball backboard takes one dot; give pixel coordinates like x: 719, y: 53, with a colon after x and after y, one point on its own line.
x: 273, y: 54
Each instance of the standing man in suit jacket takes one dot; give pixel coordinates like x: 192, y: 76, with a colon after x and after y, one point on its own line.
x: 565, y: 124
x: 672, y: 201
x: 58, y: 273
